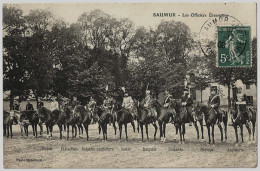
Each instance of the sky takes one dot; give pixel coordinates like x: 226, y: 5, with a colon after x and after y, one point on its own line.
x: 142, y: 13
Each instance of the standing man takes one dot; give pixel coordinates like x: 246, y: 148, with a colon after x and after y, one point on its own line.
x: 29, y: 106
x: 187, y: 102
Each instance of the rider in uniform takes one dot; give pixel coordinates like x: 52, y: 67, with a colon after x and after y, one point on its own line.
x: 16, y: 110
x: 166, y: 103
x: 214, y: 102
x: 29, y: 106
x: 240, y: 100
x: 128, y: 104
x: 148, y: 104
x: 74, y: 102
x: 54, y: 104
x: 187, y: 102
x: 108, y: 105
x: 91, y: 106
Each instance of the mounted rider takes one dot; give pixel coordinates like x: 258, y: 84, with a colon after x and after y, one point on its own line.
x: 128, y: 104
x: 166, y: 103
x: 54, y: 105
x: 148, y: 104
x: 214, y: 102
x: 91, y: 106
x: 241, y: 101
x: 187, y: 102
x: 108, y: 105
x: 29, y: 106
x: 15, y: 110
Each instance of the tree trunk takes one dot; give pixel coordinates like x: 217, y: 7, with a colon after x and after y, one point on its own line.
x: 229, y: 100
x: 11, y: 101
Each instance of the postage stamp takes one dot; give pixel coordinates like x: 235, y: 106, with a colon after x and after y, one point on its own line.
x: 233, y: 46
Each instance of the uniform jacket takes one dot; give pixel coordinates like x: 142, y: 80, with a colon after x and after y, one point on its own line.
x: 214, y: 100
x: 54, y: 105
x: 128, y: 102
x: 187, y: 99
x: 29, y: 106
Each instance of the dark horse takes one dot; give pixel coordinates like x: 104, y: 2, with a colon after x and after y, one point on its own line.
x: 105, y: 117
x: 143, y: 118
x: 85, y: 118
x: 50, y: 118
x: 33, y: 118
x: 211, y: 118
x: 183, y: 117
x: 240, y: 121
x: 123, y: 118
x: 164, y: 115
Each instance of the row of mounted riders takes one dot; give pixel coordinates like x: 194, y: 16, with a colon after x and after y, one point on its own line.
x: 176, y: 112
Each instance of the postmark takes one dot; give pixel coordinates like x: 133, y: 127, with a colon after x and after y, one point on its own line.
x: 233, y: 46
x: 208, y: 38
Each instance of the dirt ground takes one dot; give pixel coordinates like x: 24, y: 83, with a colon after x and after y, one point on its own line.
x: 78, y: 153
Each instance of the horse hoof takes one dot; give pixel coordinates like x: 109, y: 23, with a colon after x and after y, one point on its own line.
x: 119, y: 140
x: 180, y: 142
x: 154, y: 138
x: 236, y: 145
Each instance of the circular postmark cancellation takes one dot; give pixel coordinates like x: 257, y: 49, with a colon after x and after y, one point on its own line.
x: 225, y: 37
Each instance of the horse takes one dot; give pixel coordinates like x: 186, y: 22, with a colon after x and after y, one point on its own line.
x: 124, y: 117
x: 164, y: 115
x: 50, y: 118
x: 143, y: 118
x: 211, y: 118
x: 8, y: 124
x: 183, y: 117
x: 240, y: 121
x: 85, y: 119
x: 33, y: 118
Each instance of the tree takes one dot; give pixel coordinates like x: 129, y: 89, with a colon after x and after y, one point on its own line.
x: 14, y: 57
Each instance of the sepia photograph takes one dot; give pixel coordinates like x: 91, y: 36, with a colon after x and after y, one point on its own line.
x: 129, y: 85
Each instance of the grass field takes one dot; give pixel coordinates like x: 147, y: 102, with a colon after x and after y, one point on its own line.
x: 33, y: 152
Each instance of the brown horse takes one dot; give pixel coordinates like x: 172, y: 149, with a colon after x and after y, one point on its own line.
x: 143, y: 118
x: 240, y: 121
x: 211, y: 118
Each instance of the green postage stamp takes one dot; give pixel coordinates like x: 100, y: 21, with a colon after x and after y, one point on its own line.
x: 233, y: 46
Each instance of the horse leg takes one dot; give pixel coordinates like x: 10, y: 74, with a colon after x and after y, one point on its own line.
x: 33, y: 130
x: 180, y: 132
x: 142, y: 131
x: 4, y: 126
x: 241, y: 132
x: 249, y: 131
x: 41, y: 129
x: 212, y: 133
x: 11, y: 130
x: 106, y: 132
x: 138, y: 127
x: 26, y: 130
x: 235, y: 127
x: 201, y: 128
x: 120, y: 130
x: 86, y: 128
x: 47, y: 128
x: 7, y: 127
x: 208, y: 127
x: 68, y: 126
x: 60, y: 128
x: 183, y: 131
x: 156, y: 128
x: 51, y: 128
x: 114, y: 125
x: 253, y: 125
x: 146, y: 129
x: 126, y: 137
x: 221, y: 131
x: 197, y: 129
x: 133, y: 125
x: 99, y: 130
x: 72, y: 127
x: 161, y: 131
x: 164, y: 129
x: 64, y: 127
x: 225, y: 129
x: 21, y: 129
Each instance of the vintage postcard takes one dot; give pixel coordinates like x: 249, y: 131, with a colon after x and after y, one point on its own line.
x: 129, y: 85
